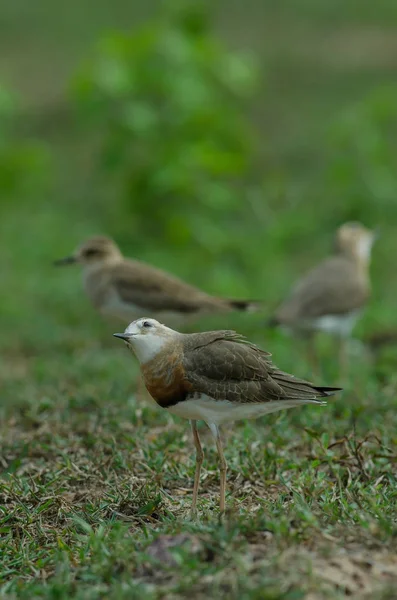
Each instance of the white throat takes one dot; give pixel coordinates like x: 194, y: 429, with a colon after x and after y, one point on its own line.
x: 364, y: 248
x: 147, y: 346
x: 89, y: 268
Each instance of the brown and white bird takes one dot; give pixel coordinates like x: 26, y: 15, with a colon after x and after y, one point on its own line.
x: 123, y: 288
x: 215, y: 376
x: 332, y: 296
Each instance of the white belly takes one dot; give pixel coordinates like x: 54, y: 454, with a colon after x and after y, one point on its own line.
x: 341, y: 325
x: 224, y: 411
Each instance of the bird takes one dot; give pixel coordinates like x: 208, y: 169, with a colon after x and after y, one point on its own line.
x: 126, y: 289
x: 214, y: 376
x: 331, y: 296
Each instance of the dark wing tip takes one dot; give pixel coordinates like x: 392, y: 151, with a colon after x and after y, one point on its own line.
x: 328, y: 391
x: 246, y: 305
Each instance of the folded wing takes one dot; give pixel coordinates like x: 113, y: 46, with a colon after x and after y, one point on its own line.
x: 152, y: 289
x: 334, y: 287
x: 224, y: 366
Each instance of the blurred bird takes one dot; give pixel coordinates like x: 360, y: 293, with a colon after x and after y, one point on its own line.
x: 215, y: 376
x: 331, y: 297
x: 126, y: 289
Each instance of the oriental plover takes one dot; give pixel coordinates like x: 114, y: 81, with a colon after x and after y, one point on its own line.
x: 215, y: 376
x: 332, y: 296
x: 126, y: 289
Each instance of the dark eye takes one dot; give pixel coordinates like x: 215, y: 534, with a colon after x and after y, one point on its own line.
x: 146, y: 324
x: 91, y: 252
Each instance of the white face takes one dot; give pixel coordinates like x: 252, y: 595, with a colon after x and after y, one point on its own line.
x: 148, y: 337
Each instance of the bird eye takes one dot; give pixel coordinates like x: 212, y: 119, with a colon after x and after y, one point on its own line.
x: 146, y: 324
x: 91, y: 252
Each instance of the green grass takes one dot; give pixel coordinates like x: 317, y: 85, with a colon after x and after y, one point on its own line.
x: 96, y: 484
x: 96, y: 488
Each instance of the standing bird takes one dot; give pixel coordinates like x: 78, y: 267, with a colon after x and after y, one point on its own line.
x: 215, y: 376
x: 332, y: 296
x: 123, y: 288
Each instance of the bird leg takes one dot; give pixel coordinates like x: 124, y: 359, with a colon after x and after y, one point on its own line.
x: 222, y: 464
x: 199, y: 462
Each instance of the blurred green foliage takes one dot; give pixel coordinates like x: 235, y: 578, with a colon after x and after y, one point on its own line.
x: 361, y: 173
x: 166, y: 160
x: 169, y: 102
x: 23, y: 163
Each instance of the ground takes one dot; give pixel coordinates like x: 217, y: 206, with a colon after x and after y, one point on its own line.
x: 96, y: 483
x: 97, y: 486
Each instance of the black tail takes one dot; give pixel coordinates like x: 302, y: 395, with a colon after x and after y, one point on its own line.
x: 246, y: 305
x: 327, y: 391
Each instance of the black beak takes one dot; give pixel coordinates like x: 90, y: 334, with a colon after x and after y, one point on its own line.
x: 69, y: 260
x: 122, y: 336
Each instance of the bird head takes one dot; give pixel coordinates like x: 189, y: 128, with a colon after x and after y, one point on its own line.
x: 94, y: 251
x: 147, y: 337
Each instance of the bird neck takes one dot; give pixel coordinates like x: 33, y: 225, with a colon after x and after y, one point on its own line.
x: 359, y: 254
x: 149, y: 348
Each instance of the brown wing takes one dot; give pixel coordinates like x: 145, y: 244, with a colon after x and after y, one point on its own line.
x: 153, y: 289
x: 224, y: 366
x: 334, y: 287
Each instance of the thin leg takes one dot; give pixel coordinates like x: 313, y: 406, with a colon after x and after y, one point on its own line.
x: 222, y: 464
x: 199, y: 462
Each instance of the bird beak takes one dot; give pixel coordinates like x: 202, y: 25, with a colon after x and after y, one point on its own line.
x: 68, y: 260
x: 122, y: 336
